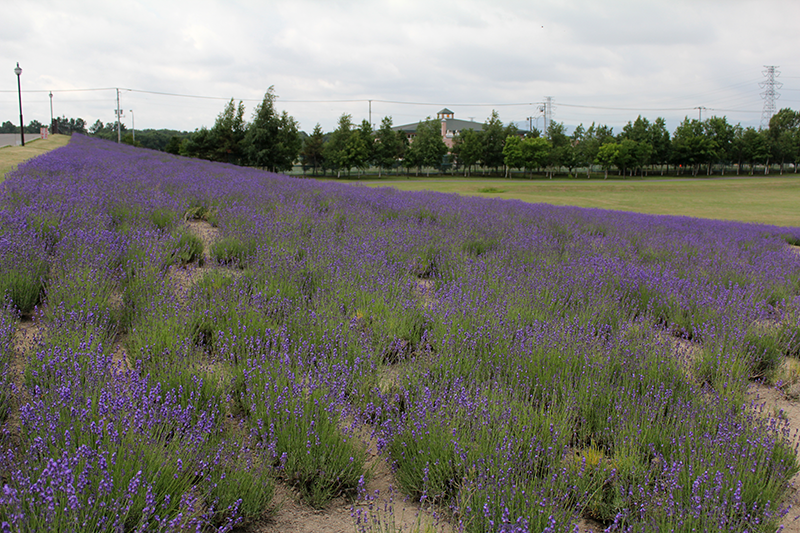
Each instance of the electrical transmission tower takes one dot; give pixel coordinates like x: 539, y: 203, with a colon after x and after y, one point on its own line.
x: 769, y: 95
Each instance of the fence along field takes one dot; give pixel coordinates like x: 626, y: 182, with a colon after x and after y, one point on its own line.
x: 520, y: 367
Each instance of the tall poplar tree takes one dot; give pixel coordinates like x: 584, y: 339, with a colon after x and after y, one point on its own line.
x: 227, y: 134
x: 311, y: 153
x: 335, y: 150
x: 272, y: 140
x: 387, y: 146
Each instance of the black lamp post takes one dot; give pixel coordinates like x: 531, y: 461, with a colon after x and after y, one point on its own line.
x: 18, y: 72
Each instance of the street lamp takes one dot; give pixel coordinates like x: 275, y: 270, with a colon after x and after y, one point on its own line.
x: 18, y: 72
x: 133, y: 126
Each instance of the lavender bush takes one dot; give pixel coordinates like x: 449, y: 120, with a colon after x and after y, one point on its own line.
x: 521, y: 366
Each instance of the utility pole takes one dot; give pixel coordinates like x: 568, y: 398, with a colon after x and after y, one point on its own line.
x: 133, y: 126
x: 700, y: 113
x: 52, y: 122
x: 770, y: 94
x: 119, y: 117
x: 370, y: 113
x: 548, y: 112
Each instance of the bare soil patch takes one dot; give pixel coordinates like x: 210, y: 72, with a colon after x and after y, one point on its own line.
x: 772, y: 402
x: 292, y: 515
x: 26, y: 337
x: 207, y: 233
x: 183, y: 278
x: 424, y: 290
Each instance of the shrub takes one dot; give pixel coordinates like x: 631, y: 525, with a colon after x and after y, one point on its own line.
x: 232, y: 251
x: 23, y: 284
x: 188, y: 249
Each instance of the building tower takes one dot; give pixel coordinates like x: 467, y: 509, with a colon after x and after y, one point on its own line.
x: 769, y: 95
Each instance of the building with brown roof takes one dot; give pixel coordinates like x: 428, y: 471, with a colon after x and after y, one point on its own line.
x: 451, y: 127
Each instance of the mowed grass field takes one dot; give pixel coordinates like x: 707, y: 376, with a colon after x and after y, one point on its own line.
x: 11, y: 156
x: 765, y: 200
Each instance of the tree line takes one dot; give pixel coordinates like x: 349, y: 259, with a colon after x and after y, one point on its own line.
x: 272, y: 140
x: 642, y: 146
x: 59, y: 125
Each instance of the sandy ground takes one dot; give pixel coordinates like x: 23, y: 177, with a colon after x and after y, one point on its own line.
x: 772, y: 402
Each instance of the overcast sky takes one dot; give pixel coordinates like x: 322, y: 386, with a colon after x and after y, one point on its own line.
x: 603, y: 61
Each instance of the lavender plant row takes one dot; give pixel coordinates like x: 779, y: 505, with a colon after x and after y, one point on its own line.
x: 516, y: 363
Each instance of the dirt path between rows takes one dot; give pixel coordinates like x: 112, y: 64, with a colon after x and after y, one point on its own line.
x: 292, y: 515
x: 773, y: 402
x: 767, y: 401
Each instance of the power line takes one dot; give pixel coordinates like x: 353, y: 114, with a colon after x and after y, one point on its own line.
x: 336, y: 101
x: 366, y: 100
x: 629, y: 108
x: 731, y: 110
x: 444, y: 104
x: 63, y: 90
x: 193, y: 96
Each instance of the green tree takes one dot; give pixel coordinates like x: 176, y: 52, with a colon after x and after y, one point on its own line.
x: 783, y: 133
x: 535, y: 152
x: 160, y: 139
x: 388, y: 146
x: 586, y: 146
x: 492, y: 138
x: 199, y: 144
x: 577, y: 139
x: 637, y: 130
x: 34, y: 127
x: 638, y: 155
x: 589, y: 145
x: 272, y: 141
x: 312, y: 151
x: 562, y: 153
x: 106, y: 131
x: 720, y: 134
x: 174, y: 145
x: 660, y: 141
x: 359, y: 147
x: 738, y: 149
x: 227, y: 134
x: 468, y: 149
x: 68, y: 126
x: 607, y: 156
x: 428, y: 147
x: 756, y: 148
x: 691, y: 145
x: 335, y: 150
x: 628, y: 156
x: 512, y: 153
x: 128, y: 139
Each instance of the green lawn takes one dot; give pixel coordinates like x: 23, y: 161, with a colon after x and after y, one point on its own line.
x: 11, y: 156
x: 767, y: 200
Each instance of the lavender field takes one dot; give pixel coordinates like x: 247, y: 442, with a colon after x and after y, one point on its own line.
x: 201, y: 334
